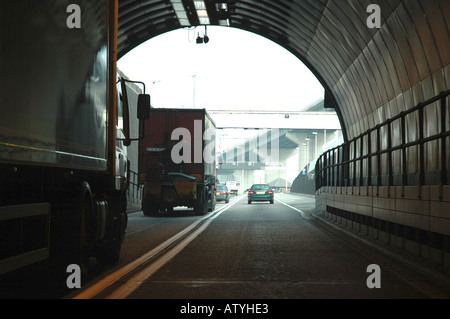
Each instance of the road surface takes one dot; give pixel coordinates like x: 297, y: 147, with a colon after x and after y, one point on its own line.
x: 240, y: 252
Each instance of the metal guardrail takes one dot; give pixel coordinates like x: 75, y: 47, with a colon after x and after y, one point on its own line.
x: 135, y: 191
x: 367, y: 160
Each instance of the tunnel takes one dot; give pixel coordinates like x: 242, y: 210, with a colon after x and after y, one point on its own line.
x: 385, y: 67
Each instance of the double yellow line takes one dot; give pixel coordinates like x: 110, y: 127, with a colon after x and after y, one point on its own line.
x: 136, y: 280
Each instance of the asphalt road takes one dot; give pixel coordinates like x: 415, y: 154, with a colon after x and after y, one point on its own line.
x: 240, y: 251
x: 259, y: 251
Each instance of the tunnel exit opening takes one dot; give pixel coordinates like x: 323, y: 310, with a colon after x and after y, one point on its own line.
x: 273, y: 116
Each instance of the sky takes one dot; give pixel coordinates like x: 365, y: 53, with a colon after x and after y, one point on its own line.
x: 236, y: 70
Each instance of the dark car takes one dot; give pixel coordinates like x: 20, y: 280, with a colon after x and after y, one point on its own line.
x: 260, y: 193
x: 222, y: 193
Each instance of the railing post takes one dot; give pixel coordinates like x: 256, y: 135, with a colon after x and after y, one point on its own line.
x: 443, y: 142
x: 378, y: 157
x: 339, y: 167
x: 389, y: 154
x: 346, y: 159
x: 354, y: 161
x: 421, y: 148
x: 318, y: 178
x: 361, y: 163
x: 327, y: 166
x: 404, y: 152
x: 369, y: 159
x: 333, y: 171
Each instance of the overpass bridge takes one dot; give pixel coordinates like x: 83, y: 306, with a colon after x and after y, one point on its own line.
x: 228, y: 119
x: 272, y: 155
x: 284, y: 144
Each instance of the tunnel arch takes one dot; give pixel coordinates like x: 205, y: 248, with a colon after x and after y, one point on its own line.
x: 369, y: 75
x: 247, y: 71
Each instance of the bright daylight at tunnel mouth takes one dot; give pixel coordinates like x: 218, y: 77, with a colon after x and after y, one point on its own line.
x: 268, y: 108
x: 225, y: 157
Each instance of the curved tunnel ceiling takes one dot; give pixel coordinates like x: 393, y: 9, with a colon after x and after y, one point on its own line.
x: 369, y: 74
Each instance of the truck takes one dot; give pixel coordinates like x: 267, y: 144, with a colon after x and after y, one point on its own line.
x: 233, y: 186
x: 64, y: 132
x: 177, y: 164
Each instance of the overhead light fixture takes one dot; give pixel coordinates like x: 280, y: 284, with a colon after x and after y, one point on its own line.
x: 202, y: 13
x: 200, y: 4
x: 222, y: 7
x: 178, y: 7
x: 224, y: 23
x: 204, y: 39
x: 204, y: 20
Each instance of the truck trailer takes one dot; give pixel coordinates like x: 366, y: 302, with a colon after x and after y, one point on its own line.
x: 63, y: 134
x: 177, y: 163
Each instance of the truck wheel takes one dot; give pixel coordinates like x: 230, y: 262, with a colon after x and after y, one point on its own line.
x: 212, y: 207
x: 201, y: 206
x: 202, y: 209
x: 81, y: 247
x: 149, y: 209
x: 118, y: 221
x: 110, y: 254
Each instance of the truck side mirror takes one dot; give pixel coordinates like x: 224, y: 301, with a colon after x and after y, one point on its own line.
x: 126, y: 113
x: 143, y: 108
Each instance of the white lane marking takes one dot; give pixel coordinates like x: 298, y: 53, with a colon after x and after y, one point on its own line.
x: 137, y: 280
x: 302, y: 213
x: 118, y: 274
